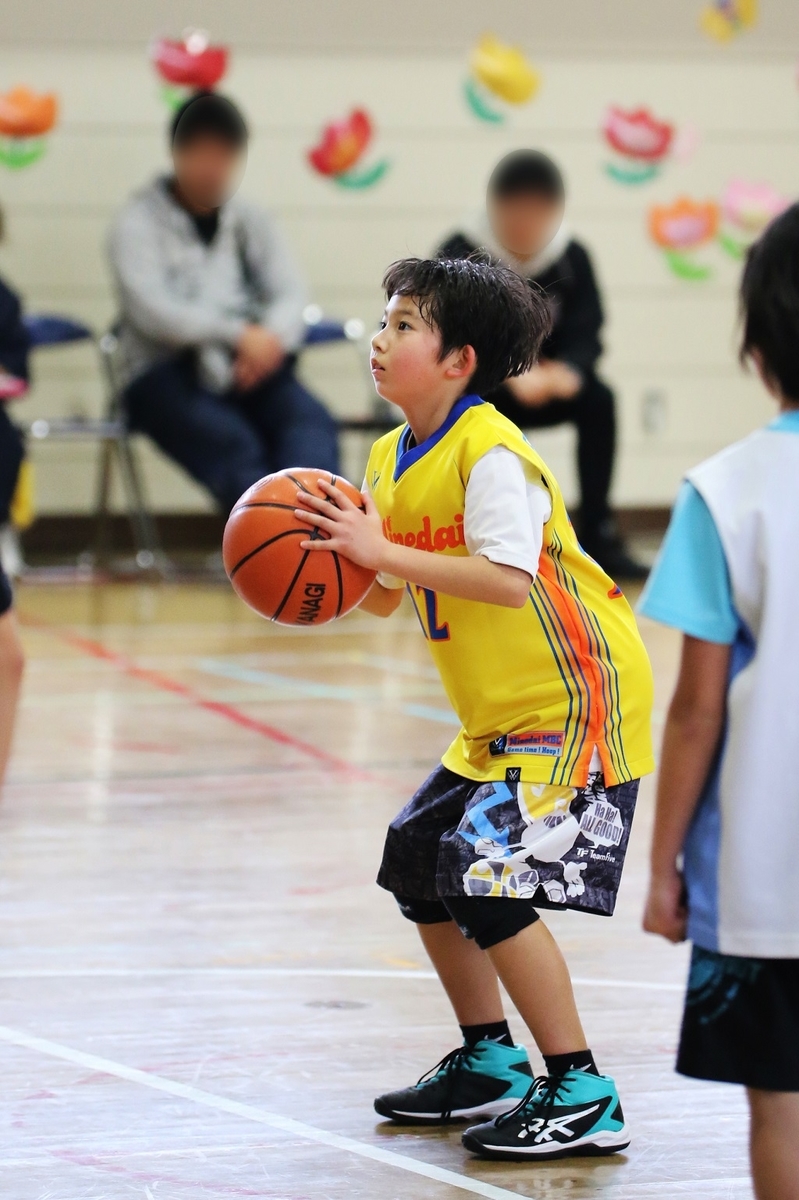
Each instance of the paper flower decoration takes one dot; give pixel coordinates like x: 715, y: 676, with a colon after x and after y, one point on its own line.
x: 24, y: 120
x: 640, y: 144
x: 725, y: 19
x: 341, y: 148
x: 498, y: 72
x: 680, y: 229
x: 746, y: 210
x: 187, y: 66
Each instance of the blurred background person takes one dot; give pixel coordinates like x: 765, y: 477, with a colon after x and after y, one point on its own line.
x: 211, y: 310
x: 14, y: 379
x: 523, y: 226
x: 14, y: 347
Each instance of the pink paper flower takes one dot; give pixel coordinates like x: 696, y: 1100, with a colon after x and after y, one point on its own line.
x: 751, y: 206
x: 637, y: 134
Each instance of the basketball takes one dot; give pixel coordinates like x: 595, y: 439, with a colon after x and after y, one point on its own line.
x: 267, y: 568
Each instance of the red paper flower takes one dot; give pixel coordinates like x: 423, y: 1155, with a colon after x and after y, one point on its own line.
x: 23, y: 114
x: 191, y: 63
x: 342, y: 144
x: 638, y: 134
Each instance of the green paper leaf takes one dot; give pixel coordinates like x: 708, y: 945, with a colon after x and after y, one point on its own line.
x: 21, y: 152
x: 478, y: 105
x: 640, y: 173
x: 734, y: 248
x: 172, y: 95
x: 685, y: 267
x: 356, y: 180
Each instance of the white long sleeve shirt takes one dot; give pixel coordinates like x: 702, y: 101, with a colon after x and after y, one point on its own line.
x: 504, y: 514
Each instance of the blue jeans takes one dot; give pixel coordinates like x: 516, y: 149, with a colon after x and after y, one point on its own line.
x: 227, y: 442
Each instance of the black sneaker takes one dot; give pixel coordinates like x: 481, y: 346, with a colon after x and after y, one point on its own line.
x: 561, y: 1115
x: 482, y: 1080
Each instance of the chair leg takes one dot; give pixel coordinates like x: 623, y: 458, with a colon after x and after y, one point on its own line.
x: 102, y: 540
x: 149, y: 552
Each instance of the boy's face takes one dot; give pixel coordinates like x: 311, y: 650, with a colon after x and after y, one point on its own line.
x: 526, y: 223
x: 406, y: 361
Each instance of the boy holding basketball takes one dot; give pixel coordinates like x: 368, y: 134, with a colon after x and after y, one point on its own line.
x: 539, y: 654
x: 727, y: 819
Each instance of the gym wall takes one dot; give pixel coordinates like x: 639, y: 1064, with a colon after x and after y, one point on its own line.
x: 670, y: 343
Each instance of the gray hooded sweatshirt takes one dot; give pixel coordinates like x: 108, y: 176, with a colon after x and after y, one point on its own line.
x: 176, y: 293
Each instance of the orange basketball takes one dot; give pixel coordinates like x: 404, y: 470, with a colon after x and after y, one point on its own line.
x: 264, y: 562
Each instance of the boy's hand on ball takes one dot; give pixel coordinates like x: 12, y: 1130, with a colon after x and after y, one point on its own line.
x: 665, y: 912
x: 351, y: 531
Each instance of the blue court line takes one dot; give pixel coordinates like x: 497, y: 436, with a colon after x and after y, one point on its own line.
x: 306, y: 689
x: 428, y: 713
x: 309, y: 689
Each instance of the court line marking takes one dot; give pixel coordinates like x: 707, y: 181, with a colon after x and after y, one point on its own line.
x: 309, y: 1133
x: 165, y: 683
x: 309, y: 689
x: 290, y: 973
x: 428, y: 712
x: 304, y: 689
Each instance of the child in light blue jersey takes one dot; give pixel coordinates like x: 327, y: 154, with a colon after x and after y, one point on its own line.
x: 726, y: 839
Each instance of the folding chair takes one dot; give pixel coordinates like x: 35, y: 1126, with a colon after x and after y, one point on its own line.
x: 113, y: 436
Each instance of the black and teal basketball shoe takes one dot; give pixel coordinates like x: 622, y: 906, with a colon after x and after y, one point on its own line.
x: 482, y: 1080
x: 561, y: 1115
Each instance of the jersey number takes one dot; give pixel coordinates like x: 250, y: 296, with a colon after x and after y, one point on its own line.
x: 428, y: 615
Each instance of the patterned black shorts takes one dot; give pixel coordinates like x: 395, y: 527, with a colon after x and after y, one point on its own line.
x: 559, y: 847
x: 741, y: 1021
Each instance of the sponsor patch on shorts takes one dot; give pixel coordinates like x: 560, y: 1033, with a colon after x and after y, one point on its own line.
x: 538, y: 741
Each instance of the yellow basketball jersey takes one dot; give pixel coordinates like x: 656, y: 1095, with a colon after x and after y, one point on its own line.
x: 535, y: 688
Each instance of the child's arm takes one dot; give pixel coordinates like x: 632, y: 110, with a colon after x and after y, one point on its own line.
x: 359, y: 536
x: 382, y: 601
x: 690, y: 742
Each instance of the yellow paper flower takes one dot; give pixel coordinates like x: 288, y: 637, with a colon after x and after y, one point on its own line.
x: 723, y: 19
x: 504, y: 70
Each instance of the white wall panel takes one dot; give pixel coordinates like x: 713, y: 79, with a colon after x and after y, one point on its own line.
x: 663, y: 335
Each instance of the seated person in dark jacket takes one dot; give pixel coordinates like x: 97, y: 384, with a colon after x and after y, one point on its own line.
x: 523, y: 227
x: 212, y: 317
x: 14, y: 347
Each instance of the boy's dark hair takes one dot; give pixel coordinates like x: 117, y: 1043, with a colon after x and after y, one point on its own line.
x: 474, y: 302
x: 207, y: 114
x: 769, y: 299
x: 526, y: 173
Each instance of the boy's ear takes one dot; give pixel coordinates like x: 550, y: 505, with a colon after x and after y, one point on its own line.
x: 461, y: 363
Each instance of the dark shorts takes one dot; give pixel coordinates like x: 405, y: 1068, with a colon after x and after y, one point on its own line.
x: 554, y: 847
x: 6, y: 598
x: 741, y: 1021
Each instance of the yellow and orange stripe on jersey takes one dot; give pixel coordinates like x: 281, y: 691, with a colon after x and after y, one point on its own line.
x: 535, y: 688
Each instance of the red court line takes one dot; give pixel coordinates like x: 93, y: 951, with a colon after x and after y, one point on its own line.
x: 227, y: 711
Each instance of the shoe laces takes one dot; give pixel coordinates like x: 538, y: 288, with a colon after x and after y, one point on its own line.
x: 450, y: 1068
x: 539, y: 1101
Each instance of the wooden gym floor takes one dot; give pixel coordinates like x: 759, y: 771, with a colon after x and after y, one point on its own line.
x: 202, y: 989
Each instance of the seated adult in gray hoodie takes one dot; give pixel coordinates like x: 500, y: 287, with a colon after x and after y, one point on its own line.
x: 211, y: 317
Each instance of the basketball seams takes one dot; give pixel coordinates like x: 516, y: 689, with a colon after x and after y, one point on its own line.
x: 252, y: 553
x: 264, y: 504
x: 298, y: 483
x: 340, y: 580
x: 291, y: 587
x: 259, y: 589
